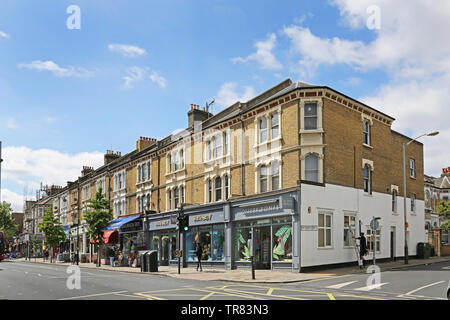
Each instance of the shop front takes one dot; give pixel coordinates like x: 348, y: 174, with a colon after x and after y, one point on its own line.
x: 207, y: 227
x: 266, y: 229
x: 163, y: 237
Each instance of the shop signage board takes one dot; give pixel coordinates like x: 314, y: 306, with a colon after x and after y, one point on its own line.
x: 206, y: 218
x: 276, y: 206
x: 160, y: 224
x: 308, y: 228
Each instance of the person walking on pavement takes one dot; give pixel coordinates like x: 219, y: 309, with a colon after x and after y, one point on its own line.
x: 111, y: 256
x: 199, y: 252
x: 362, y: 248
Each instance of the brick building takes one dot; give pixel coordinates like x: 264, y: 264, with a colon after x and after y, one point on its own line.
x: 288, y: 177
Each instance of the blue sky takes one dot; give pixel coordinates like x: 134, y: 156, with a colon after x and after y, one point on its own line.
x: 80, y: 91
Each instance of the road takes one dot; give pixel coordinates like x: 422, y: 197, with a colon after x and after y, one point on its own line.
x: 33, y: 281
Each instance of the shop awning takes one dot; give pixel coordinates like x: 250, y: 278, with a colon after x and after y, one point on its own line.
x: 109, y: 236
x: 119, y: 222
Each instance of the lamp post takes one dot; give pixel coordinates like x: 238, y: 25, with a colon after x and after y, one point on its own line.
x: 404, y: 145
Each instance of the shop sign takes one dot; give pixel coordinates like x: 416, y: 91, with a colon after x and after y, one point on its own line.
x: 209, y: 218
x: 132, y: 226
x: 308, y: 228
x: 203, y: 218
x: 160, y: 224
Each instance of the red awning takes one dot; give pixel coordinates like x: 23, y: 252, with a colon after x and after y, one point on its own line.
x: 109, y: 236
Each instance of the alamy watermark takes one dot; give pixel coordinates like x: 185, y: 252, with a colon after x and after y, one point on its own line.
x: 374, y: 280
x: 74, y: 280
x: 374, y: 20
x: 74, y: 20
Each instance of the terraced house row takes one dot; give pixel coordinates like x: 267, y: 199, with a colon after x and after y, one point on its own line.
x: 287, y: 177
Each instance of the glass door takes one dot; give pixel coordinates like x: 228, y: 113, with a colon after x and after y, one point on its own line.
x: 261, y: 245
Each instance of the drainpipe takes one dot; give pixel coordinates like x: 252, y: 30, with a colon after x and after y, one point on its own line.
x: 243, y: 152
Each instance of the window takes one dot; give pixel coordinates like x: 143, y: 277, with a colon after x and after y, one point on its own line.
x: 262, y: 130
x: 366, y: 132
x: 412, y: 168
x: 275, y: 175
x: 139, y: 209
x: 148, y: 202
x: 310, y: 116
x: 370, y: 240
x: 182, y: 158
x: 182, y: 194
x: 226, y: 142
x: 169, y: 162
x: 413, y: 203
x: 144, y: 203
x: 367, y: 179
x: 349, y: 230
x: 218, y: 146
x: 218, y: 188
x: 263, y: 179
x: 176, y: 162
x: 139, y: 173
x: 210, y: 190
x: 394, y: 200
x: 176, y: 197
x: 324, y: 230
x: 227, y: 191
x: 209, y: 149
x: 275, y: 126
x: 312, y: 168
x: 170, y: 200
x: 144, y: 172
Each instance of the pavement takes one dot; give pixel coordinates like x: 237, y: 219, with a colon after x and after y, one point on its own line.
x: 245, y: 276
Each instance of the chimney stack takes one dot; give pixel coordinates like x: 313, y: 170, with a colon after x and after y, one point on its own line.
x: 110, y: 156
x: 445, y: 172
x: 196, y: 115
x: 86, y: 170
x: 144, y: 143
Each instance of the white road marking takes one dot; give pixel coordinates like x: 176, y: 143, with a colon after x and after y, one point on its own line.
x: 340, y: 285
x: 93, y: 295
x: 374, y: 286
x: 418, y: 289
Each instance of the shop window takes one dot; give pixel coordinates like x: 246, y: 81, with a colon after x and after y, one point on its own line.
x: 282, y: 246
x: 349, y: 230
x: 212, y: 240
x: 242, y: 244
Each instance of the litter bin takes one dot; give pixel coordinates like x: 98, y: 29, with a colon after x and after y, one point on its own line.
x: 143, y: 260
x: 59, y: 257
x: 152, y: 261
x: 423, y: 250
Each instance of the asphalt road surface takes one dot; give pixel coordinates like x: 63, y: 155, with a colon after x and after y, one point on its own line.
x: 32, y: 281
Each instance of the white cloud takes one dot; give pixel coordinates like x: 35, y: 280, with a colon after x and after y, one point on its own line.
x: 263, y: 55
x: 127, y: 50
x: 11, y: 124
x: 228, y: 94
x: 161, y: 81
x: 134, y: 74
x: 15, y: 199
x: 26, y: 167
x: 56, y: 69
x: 4, y: 34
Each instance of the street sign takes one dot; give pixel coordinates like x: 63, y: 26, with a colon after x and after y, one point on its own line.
x: 374, y: 224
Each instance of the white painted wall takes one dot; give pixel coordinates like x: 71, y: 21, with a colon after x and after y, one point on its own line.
x: 338, y: 200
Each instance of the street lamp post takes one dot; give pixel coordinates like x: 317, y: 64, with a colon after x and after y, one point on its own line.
x: 404, y: 145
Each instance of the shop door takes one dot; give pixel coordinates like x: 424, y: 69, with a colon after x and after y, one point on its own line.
x: 262, y: 249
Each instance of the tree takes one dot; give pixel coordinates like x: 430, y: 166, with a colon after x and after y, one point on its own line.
x: 53, y: 230
x: 444, y: 213
x: 6, y: 222
x: 97, y: 219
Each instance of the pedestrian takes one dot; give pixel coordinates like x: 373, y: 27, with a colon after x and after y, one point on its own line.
x: 199, y: 252
x: 111, y: 256
x: 362, y: 248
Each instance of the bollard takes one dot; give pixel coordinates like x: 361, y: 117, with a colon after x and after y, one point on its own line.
x: 253, y: 267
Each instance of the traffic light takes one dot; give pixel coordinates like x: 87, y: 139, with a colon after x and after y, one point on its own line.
x: 184, y: 223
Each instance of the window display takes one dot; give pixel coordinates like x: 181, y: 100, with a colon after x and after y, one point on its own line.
x: 212, y: 238
x: 282, y: 237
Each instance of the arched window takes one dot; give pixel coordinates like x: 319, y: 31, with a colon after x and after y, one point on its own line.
x: 263, y: 178
x: 275, y: 175
x: 312, y: 168
x: 218, y: 188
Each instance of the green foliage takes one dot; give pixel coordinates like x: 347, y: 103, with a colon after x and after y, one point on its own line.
x: 444, y: 212
x: 98, y: 218
x: 6, y: 223
x: 52, y: 229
